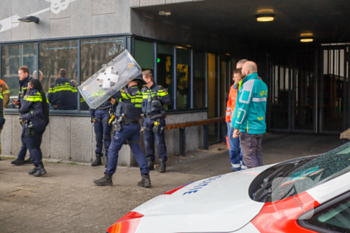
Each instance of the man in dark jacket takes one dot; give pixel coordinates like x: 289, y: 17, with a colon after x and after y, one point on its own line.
x: 154, y: 97
x: 63, y: 93
x: 23, y: 74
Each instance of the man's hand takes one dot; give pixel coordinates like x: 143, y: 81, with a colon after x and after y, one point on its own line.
x: 236, y: 133
x: 15, y: 102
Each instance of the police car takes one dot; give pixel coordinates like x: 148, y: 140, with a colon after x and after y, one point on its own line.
x: 307, y: 194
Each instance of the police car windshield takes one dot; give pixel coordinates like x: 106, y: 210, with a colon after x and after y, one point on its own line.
x: 295, y: 176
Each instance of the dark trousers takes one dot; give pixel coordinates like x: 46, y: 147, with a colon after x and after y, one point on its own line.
x: 23, y: 150
x: 33, y: 144
x: 149, y: 136
x: 130, y: 133
x: 251, y: 149
x: 102, y: 131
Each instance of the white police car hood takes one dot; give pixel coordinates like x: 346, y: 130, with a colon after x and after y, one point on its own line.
x: 216, y: 204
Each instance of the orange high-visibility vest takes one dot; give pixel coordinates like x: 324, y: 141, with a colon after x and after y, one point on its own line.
x: 231, y: 103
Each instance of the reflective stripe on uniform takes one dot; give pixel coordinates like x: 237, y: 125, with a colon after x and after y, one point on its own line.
x: 33, y: 98
x: 6, y: 92
x: 259, y: 99
x: 64, y: 87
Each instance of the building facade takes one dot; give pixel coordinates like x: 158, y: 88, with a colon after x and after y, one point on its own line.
x: 191, y: 57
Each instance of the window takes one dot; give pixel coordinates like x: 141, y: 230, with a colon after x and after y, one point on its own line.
x: 295, y: 176
x: 165, y: 64
x: 183, y: 76
x: 199, y: 80
x: 95, y: 53
x: 335, y: 218
x: 13, y: 57
x: 144, y: 55
x: 56, y: 55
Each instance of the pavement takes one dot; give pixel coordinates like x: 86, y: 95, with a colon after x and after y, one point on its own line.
x: 66, y: 200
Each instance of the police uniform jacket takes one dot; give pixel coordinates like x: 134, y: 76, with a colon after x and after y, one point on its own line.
x: 63, y: 94
x: 32, y: 109
x: 129, y: 102
x: 148, y: 95
x: 23, y: 89
x: 105, y: 106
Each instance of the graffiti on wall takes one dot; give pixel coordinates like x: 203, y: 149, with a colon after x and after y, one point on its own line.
x: 56, y: 7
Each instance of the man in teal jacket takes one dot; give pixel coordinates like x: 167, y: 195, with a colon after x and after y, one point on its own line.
x: 250, y: 114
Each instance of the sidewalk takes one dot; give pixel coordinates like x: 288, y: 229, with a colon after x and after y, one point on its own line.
x: 66, y: 200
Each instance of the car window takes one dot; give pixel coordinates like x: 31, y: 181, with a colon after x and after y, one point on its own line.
x: 333, y: 218
x: 295, y: 176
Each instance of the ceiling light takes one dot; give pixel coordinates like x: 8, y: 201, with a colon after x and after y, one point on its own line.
x: 265, y: 17
x: 306, y: 37
x: 29, y: 19
x: 166, y: 13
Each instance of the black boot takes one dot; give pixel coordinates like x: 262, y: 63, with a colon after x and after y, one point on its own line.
x: 34, y: 170
x: 162, y: 168
x: 104, y: 181
x: 28, y: 161
x: 150, y: 163
x: 145, y: 182
x: 40, y: 170
x: 18, y: 162
x: 98, y: 161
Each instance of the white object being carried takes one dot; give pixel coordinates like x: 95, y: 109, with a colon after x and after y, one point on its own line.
x: 110, y: 79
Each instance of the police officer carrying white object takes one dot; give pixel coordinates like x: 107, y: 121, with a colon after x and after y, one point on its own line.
x: 127, y: 114
x: 154, y: 97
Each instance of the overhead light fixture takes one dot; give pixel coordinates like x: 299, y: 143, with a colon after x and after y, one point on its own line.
x: 166, y: 13
x: 306, y: 37
x: 29, y: 19
x: 265, y: 15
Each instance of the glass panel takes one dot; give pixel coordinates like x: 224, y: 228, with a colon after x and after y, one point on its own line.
x: 212, y: 99
x: 335, y: 218
x: 54, y: 56
x: 13, y: 57
x: 305, y: 92
x: 95, y: 53
x: 165, y: 65
x: 199, y: 80
x: 223, y: 90
x: 279, y: 107
x: 333, y: 90
x: 183, y: 73
x: 144, y: 54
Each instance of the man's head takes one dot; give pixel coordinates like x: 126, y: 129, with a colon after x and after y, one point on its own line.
x: 248, y: 68
x: 240, y: 63
x: 62, y: 73
x: 23, y: 72
x: 35, y: 75
x: 237, y: 76
x: 147, y: 76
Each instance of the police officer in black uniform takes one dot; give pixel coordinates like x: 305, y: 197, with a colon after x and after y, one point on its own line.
x: 127, y: 114
x: 100, y: 117
x: 154, y: 97
x: 63, y: 93
x: 24, y: 78
x: 35, y: 116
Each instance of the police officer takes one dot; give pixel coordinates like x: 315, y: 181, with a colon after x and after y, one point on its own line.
x: 35, y: 115
x: 127, y: 113
x: 63, y: 93
x: 100, y: 117
x: 4, y: 99
x: 154, y: 97
x: 24, y: 78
